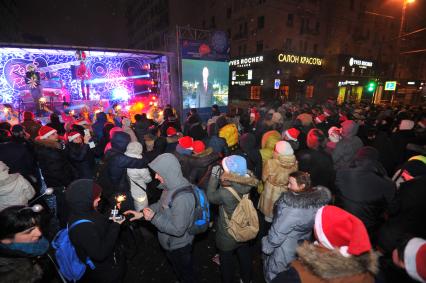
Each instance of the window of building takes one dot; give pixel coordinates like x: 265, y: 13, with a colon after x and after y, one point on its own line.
x: 259, y: 46
x: 213, y: 22
x: 228, y: 13
x: 287, y: 44
x: 260, y: 22
x: 290, y: 20
x: 317, y: 27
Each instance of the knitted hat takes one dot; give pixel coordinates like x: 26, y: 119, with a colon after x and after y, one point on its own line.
x: 186, y: 142
x: 406, y: 125
x: 171, y: 131
x: 320, y: 119
x: 283, y: 148
x: 292, y: 134
x: 235, y: 164
x: 45, y: 132
x: 336, y: 228
x: 198, y: 146
x: 73, y: 135
x: 415, y: 259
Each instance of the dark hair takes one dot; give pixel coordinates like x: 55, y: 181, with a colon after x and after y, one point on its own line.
x: 54, y: 118
x: 5, y: 126
x: 138, y: 117
x: 15, y: 219
x: 302, y: 178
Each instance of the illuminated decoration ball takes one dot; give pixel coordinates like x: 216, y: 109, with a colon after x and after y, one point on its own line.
x: 120, y: 93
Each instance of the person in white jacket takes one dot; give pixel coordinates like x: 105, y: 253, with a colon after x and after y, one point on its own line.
x: 14, y: 189
x: 138, y: 178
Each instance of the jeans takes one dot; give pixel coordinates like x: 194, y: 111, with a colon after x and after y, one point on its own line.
x: 227, y: 264
x: 182, y: 263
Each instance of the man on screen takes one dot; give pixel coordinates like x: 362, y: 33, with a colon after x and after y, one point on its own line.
x: 205, y: 91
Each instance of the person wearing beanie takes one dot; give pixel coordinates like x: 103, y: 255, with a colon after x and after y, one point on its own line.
x: 111, y: 134
x: 172, y: 139
x: 233, y: 174
x: 249, y: 150
x: 172, y: 215
x: 31, y: 126
x: 81, y: 155
x: 364, y: 190
x: 342, y: 251
x: 293, y: 222
x: 316, y: 161
x: 275, y: 177
x: 213, y: 140
x: 411, y: 256
x: 170, y: 121
x: 291, y: 136
x: 95, y: 239
x: 184, y: 146
x: 139, y: 178
x: 406, y: 214
x: 112, y: 175
x: 347, y: 147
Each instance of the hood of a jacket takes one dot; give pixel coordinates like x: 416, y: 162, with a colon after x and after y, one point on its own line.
x: 318, y: 197
x: 48, y: 143
x: 349, y: 129
x: 248, y: 142
x: 286, y: 161
x: 269, y: 139
x: 5, y: 179
x: 168, y: 167
x: 330, y: 264
x: 79, y: 196
x: 119, y: 141
x: 241, y: 184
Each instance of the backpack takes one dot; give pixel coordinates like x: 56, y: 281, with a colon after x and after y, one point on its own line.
x: 70, y: 266
x: 201, y: 220
x: 244, y: 223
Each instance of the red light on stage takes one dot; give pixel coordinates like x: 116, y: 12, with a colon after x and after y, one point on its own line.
x: 153, y: 98
x: 146, y: 67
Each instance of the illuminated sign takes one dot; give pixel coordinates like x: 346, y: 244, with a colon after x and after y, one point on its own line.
x: 343, y: 83
x: 390, y: 85
x: 246, y: 62
x: 360, y: 63
x: 277, y: 83
x: 411, y: 83
x: 297, y: 59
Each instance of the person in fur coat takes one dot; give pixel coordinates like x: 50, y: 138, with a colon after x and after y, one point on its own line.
x: 275, y: 177
x: 138, y: 178
x: 342, y: 253
x: 293, y: 221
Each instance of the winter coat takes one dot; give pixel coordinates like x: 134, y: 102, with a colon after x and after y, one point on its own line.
x: 138, y: 178
x: 82, y: 158
x: 171, y: 121
x: 31, y: 127
x: 399, y: 140
x: 19, y: 158
x: 364, y: 193
x: 96, y: 240
x: 141, y: 128
x: 319, y: 165
x: 196, y: 131
x: 294, y: 218
x: 230, y: 133
x: 217, y: 194
x: 249, y: 151
x: 407, y: 214
x: 275, y: 178
x: 172, y: 142
x: 14, y: 189
x: 16, y: 267
x: 217, y: 143
x: 347, y: 147
x: 316, y: 264
x: 52, y: 158
x: 174, y: 217
x: 98, y: 126
x: 268, y: 142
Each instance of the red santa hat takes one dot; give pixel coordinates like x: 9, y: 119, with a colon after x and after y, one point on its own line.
x: 171, y: 131
x: 320, y: 119
x: 415, y: 259
x: 336, y: 228
x: 198, y: 146
x: 73, y: 135
x: 292, y: 134
x: 327, y: 112
x: 186, y: 142
x: 45, y: 132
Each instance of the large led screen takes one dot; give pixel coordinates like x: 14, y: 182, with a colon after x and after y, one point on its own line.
x: 204, y: 83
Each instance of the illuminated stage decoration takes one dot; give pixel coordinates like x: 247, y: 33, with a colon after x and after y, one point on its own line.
x: 114, y: 75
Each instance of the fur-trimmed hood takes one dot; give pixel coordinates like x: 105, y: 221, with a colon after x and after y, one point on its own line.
x: 286, y: 161
x: 249, y: 180
x: 330, y: 264
x: 48, y: 143
x: 318, y: 197
x: 205, y: 152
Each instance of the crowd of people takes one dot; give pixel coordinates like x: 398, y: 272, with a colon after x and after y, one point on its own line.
x: 332, y: 193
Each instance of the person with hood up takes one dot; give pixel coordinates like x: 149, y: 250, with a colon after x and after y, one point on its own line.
x: 347, y: 147
x: 228, y: 131
x: 364, y: 190
x: 111, y: 134
x: 241, y: 180
x: 200, y: 163
x: 96, y: 239
x: 116, y: 164
x: 138, y: 177
x: 14, y: 189
x: 293, y: 222
x: 275, y: 174
x: 269, y: 139
x: 172, y: 215
x: 213, y: 140
x: 342, y: 252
